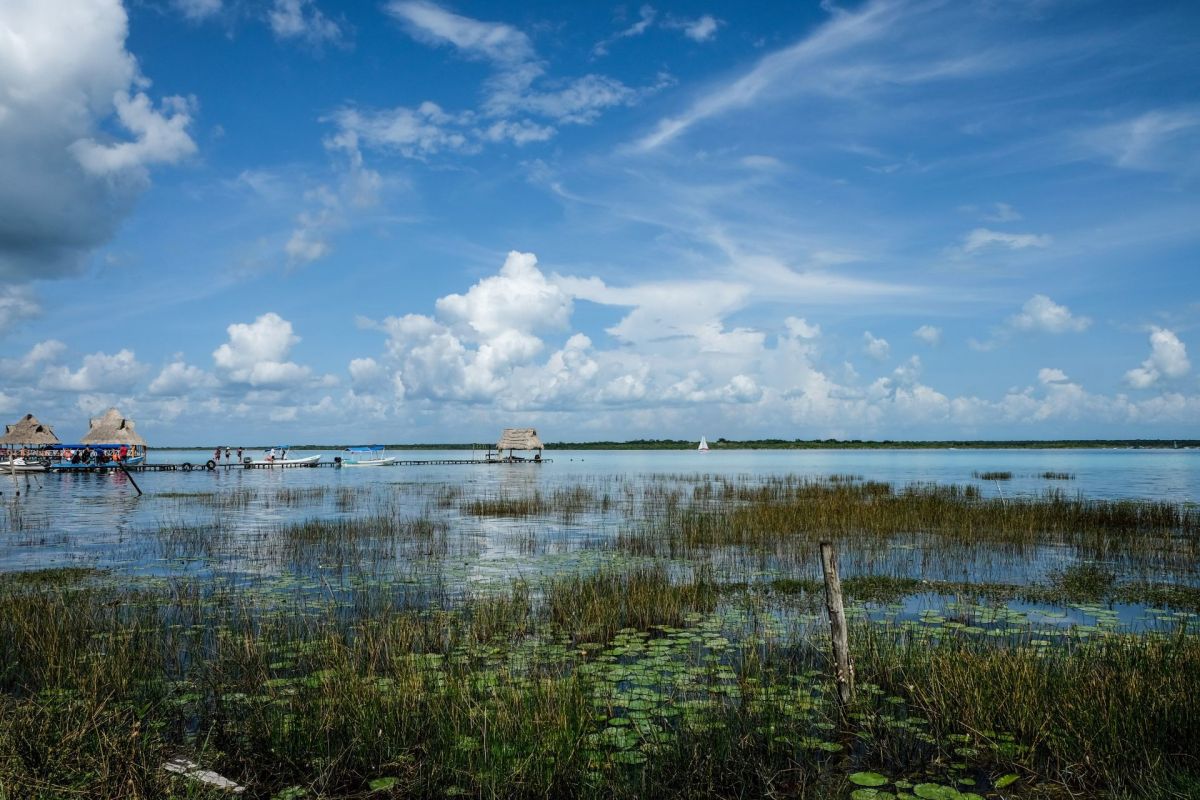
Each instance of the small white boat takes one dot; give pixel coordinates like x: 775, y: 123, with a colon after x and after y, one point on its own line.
x: 703, y: 448
x: 283, y: 462
x: 367, y: 456
x: 20, y: 466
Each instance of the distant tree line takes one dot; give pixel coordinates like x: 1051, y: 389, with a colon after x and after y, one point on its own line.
x: 793, y: 444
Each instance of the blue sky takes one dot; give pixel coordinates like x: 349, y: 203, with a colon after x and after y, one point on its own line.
x: 261, y: 220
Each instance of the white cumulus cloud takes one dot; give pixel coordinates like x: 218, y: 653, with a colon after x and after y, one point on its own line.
x: 178, y: 379
x: 876, y: 347
x: 1168, y: 358
x: 100, y: 372
x: 801, y: 329
x: 257, y: 352
x: 1040, y: 313
x: 1049, y: 375
x: 928, y: 334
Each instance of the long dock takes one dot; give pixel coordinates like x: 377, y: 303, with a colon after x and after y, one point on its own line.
x: 203, y: 466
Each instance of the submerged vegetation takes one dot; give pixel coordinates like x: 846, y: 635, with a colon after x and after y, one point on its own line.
x: 614, y: 639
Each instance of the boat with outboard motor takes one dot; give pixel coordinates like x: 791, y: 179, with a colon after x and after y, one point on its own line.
x: 21, y: 466
x: 371, y: 455
x: 277, y: 457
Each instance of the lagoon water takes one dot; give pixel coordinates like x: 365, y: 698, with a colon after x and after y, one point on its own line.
x: 96, y: 520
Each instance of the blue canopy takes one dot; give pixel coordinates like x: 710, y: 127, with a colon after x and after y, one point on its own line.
x: 93, y: 446
x: 366, y: 448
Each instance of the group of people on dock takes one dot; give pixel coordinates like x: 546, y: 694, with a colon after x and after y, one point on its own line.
x: 225, y: 454
x: 228, y: 454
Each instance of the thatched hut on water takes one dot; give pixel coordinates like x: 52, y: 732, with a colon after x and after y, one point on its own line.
x: 24, y: 438
x: 28, y: 431
x: 112, y: 428
x: 524, y: 439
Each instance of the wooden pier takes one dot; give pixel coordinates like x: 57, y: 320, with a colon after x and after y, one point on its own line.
x: 208, y: 466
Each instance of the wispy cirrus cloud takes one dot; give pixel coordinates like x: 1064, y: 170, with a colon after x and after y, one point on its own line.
x: 812, y: 64
x: 304, y: 20
x: 699, y: 29
x: 521, y: 104
x: 1156, y: 140
x: 984, y: 238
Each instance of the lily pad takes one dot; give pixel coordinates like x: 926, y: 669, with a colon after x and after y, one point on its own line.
x: 871, y: 794
x: 869, y: 779
x: 1006, y: 780
x: 382, y: 784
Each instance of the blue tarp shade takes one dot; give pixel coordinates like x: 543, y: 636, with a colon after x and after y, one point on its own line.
x: 367, y: 448
x: 93, y: 446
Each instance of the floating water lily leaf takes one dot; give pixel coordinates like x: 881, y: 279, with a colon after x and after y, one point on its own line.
x: 382, y: 784
x: 1006, y: 780
x: 935, y: 791
x: 868, y: 779
x: 871, y: 794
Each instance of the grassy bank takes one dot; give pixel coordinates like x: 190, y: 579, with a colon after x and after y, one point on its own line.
x: 608, y: 684
x: 356, y: 653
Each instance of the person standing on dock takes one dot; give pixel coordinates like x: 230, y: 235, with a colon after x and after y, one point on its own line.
x: 240, y: 451
x: 217, y: 455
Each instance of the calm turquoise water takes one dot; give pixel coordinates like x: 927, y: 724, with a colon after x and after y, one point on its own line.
x: 1142, y: 474
x: 99, y: 520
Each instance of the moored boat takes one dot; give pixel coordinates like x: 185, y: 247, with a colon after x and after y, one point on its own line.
x: 372, y: 455
x: 283, y: 462
x: 21, y: 466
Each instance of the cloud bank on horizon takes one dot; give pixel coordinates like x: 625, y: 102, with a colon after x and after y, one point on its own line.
x: 886, y: 219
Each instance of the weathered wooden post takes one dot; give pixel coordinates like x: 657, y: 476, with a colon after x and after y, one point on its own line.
x: 131, y: 480
x: 843, y: 666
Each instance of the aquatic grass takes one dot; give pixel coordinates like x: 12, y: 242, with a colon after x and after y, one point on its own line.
x: 992, y: 475
x: 782, y: 516
x: 640, y: 637
x: 499, y: 696
x: 1083, y: 581
x: 565, y: 503
x: 1111, y: 712
x: 595, y: 606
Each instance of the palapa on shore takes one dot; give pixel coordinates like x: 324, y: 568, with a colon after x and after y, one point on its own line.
x: 112, y: 428
x: 28, y: 431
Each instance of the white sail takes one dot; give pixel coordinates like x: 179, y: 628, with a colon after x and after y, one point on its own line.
x: 703, y: 445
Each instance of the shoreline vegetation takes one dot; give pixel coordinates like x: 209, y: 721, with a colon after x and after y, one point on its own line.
x: 793, y: 444
x: 663, y: 637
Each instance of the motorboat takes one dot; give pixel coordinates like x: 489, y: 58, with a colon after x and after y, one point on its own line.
x: 20, y: 466
x: 272, y: 460
x: 372, y: 455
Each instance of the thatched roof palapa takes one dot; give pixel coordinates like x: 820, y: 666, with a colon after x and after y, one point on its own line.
x: 28, y: 430
x: 112, y: 428
x: 519, y: 439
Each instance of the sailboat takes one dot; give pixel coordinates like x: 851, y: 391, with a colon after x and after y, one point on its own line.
x: 703, y: 448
